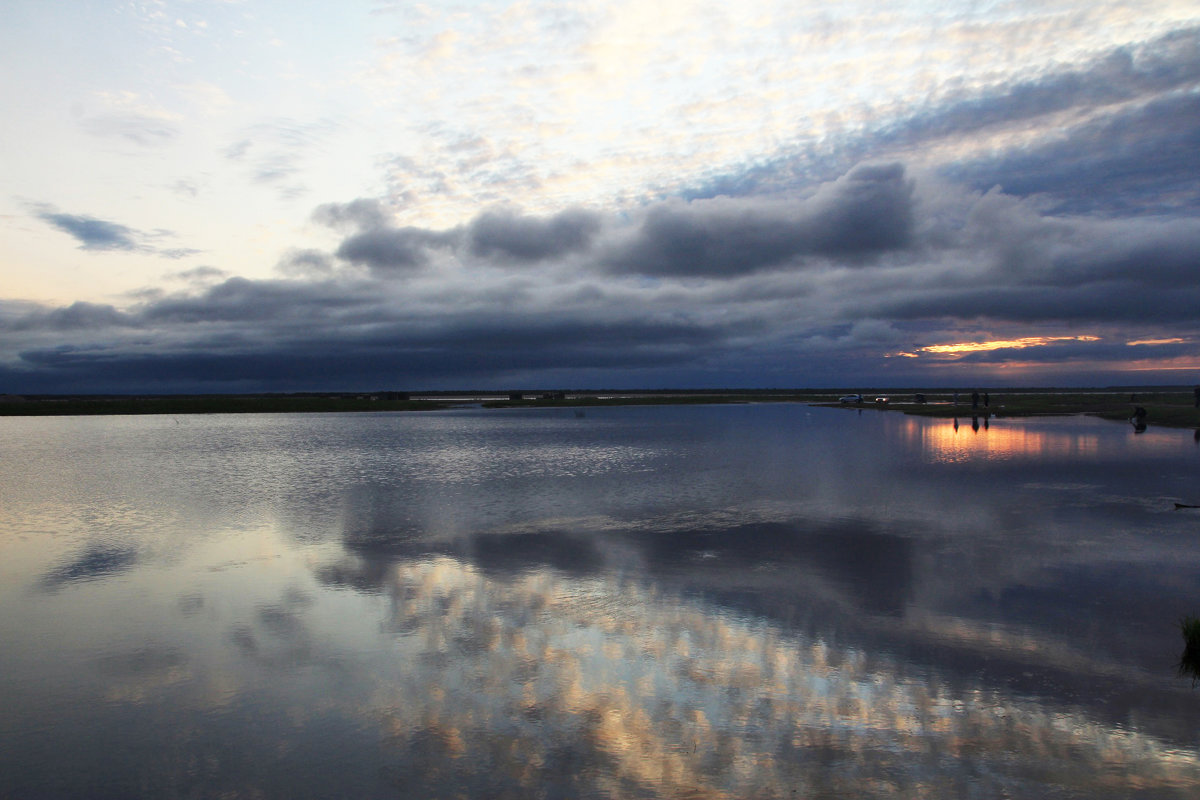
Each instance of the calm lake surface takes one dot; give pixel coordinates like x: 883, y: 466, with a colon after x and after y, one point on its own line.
x: 706, y: 602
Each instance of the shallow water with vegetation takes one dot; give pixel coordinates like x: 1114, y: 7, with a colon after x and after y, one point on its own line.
x: 765, y: 600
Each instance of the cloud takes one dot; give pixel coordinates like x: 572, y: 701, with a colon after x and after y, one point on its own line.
x: 361, y: 214
x: 864, y: 213
x: 1142, y: 159
x: 199, y: 276
x: 276, y: 152
x: 244, y: 300
x: 76, y: 317
x: 92, y: 233
x: 389, y: 250
x: 400, y: 354
x: 126, y: 116
x: 1115, y: 133
x: 140, y: 129
x: 96, y: 562
x: 95, y: 234
x: 1112, y: 78
x: 506, y: 234
x: 306, y: 263
x: 814, y: 290
x: 374, y: 242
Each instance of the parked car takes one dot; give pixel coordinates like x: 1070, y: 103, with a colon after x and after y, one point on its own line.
x: 847, y: 399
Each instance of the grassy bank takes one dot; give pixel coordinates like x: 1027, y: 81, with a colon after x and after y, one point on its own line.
x: 1172, y: 408
x: 205, y: 404
x: 1165, y: 408
x: 584, y: 400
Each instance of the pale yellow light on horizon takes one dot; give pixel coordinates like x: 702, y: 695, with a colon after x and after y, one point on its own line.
x: 1137, y: 342
x: 1002, y: 344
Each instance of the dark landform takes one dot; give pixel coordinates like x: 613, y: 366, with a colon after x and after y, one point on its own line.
x: 1171, y: 406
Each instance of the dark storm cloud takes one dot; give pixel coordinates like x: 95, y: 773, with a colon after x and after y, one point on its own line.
x: 866, y: 212
x: 995, y: 257
x: 406, y: 353
x: 388, y: 250
x: 892, y: 262
x: 1098, y: 301
x: 497, y: 235
x: 75, y: 317
x: 507, y: 234
x: 1159, y: 256
x: 375, y: 243
x: 243, y: 300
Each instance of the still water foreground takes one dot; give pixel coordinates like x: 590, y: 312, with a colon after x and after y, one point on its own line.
x: 725, y: 602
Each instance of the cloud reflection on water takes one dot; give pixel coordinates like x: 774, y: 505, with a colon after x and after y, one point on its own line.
x: 786, y: 600
x: 611, y: 687
x: 95, y: 562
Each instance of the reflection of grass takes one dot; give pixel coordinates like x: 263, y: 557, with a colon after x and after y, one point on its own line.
x: 1189, y: 662
x: 1163, y: 408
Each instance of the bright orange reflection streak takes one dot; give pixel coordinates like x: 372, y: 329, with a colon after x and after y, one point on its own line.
x: 944, y: 442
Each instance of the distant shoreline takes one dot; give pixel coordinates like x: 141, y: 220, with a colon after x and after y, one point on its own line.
x: 1165, y: 406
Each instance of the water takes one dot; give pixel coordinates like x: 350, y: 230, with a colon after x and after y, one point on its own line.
x: 727, y: 601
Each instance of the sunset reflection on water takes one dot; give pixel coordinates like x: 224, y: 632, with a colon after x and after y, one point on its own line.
x: 970, y: 438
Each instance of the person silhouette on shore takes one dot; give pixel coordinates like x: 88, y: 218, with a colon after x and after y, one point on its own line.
x: 974, y: 399
x: 1196, y: 392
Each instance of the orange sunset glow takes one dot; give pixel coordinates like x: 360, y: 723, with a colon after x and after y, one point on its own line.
x: 962, y: 348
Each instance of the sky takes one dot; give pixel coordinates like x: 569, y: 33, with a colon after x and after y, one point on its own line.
x: 266, y: 196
